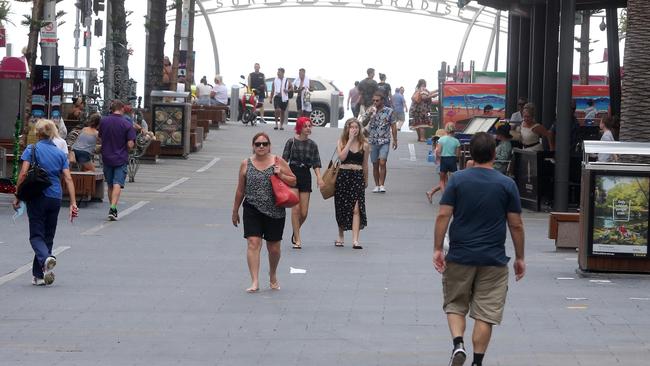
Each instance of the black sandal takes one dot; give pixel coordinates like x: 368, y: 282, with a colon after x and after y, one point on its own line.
x: 338, y: 243
x: 356, y: 246
x: 293, y: 240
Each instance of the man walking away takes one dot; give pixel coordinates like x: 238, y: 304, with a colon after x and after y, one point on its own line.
x: 385, y: 88
x: 399, y: 106
x: 118, y: 137
x: 381, y: 124
x: 475, y: 272
x: 354, y: 99
x: 257, y: 81
x: 280, y: 94
x: 367, y: 88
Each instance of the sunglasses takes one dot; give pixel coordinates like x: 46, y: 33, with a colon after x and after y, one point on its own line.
x: 262, y: 144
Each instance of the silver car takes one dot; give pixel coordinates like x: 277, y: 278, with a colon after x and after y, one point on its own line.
x: 320, y: 97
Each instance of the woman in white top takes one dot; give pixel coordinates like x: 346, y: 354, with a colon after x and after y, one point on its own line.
x: 532, y: 132
x: 606, y: 124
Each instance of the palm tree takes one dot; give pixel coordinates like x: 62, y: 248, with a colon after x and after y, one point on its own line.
x: 178, y: 6
x: 635, y: 101
x: 32, y: 47
x: 156, y: 26
x: 120, y: 56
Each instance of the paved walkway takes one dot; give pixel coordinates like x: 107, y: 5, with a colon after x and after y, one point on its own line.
x: 165, y: 284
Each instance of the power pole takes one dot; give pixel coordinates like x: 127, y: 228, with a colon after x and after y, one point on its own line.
x: 584, y: 47
x: 49, y: 34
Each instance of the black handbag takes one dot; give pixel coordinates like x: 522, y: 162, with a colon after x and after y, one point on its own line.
x: 35, y: 182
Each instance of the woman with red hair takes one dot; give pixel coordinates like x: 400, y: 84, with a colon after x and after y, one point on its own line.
x: 302, y: 154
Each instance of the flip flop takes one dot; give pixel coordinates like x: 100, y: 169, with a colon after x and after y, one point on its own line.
x: 297, y: 246
x: 429, y: 196
x: 338, y: 243
x: 251, y: 290
x: 356, y: 246
x: 274, y: 286
x: 293, y: 240
x: 275, y: 128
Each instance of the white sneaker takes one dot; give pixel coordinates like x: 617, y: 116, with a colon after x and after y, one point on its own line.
x: 48, y: 275
x: 38, y: 281
x: 376, y: 190
x: 382, y: 189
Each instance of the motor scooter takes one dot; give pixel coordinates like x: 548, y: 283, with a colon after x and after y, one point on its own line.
x: 250, y: 103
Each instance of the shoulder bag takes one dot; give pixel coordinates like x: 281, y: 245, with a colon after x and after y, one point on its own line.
x: 328, y: 188
x: 285, y: 196
x: 35, y: 182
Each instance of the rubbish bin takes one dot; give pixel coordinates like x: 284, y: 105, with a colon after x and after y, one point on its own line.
x: 171, y: 121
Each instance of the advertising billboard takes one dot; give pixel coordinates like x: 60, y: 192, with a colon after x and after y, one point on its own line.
x: 619, y: 224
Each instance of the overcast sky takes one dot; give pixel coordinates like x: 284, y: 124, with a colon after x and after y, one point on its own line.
x: 337, y: 44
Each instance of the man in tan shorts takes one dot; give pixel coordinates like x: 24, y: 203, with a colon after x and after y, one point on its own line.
x: 474, y: 271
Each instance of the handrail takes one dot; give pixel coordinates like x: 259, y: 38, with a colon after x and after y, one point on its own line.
x: 614, y: 147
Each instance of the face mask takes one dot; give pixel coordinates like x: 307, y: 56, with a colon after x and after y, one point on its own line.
x: 19, y: 211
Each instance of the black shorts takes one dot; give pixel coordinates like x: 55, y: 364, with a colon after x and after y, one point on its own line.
x: 448, y: 164
x: 258, y: 224
x: 303, y: 178
x: 279, y: 104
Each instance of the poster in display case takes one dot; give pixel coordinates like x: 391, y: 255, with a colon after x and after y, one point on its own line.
x: 169, y: 124
x: 619, y: 220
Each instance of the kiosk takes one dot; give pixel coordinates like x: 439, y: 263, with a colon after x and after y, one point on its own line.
x: 171, y: 122
x: 614, y: 210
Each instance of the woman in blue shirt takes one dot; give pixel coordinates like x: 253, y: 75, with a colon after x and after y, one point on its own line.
x: 43, y: 211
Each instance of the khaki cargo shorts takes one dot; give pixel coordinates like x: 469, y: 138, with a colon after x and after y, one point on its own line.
x: 481, y: 290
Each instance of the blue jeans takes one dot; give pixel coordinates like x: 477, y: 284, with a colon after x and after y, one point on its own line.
x: 378, y: 152
x: 43, y: 213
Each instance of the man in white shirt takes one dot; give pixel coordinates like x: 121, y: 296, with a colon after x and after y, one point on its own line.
x: 280, y: 93
x: 302, y: 88
x: 220, y: 91
x: 516, y: 117
x: 203, y: 91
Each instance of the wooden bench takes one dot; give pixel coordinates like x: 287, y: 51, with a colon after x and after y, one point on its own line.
x: 88, y: 186
x: 564, y: 228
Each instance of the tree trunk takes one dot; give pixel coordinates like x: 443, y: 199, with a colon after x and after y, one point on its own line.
x: 32, y: 47
x: 121, y: 82
x: 635, y: 103
x: 156, y: 26
x: 177, y: 45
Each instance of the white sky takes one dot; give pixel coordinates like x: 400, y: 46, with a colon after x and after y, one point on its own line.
x: 336, y: 44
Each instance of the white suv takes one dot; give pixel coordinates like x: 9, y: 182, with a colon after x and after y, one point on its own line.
x: 320, y: 97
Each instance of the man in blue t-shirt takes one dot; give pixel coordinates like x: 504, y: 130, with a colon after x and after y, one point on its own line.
x: 482, y: 202
x: 118, y: 137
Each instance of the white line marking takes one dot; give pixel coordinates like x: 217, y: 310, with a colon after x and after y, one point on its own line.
x: 127, y: 212
x: 166, y: 188
x: 577, y: 298
x: 600, y: 281
x: 412, y: 152
x: 208, y: 165
x: 27, y: 267
x: 565, y: 278
x: 640, y: 298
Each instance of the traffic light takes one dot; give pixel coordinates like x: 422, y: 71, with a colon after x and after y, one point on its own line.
x: 98, y: 5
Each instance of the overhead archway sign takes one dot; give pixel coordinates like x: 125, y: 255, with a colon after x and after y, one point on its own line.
x: 433, y: 8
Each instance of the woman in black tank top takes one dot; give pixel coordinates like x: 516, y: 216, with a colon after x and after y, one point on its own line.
x: 351, y: 182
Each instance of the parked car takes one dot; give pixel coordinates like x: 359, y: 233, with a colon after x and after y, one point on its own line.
x: 320, y: 98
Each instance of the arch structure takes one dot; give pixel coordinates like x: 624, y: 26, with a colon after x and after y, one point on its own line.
x: 471, y: 15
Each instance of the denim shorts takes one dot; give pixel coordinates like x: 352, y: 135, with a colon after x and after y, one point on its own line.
x: 82, y: 157
x: 379, y: 152
x: 115, y: 175
x: 448, y: 164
